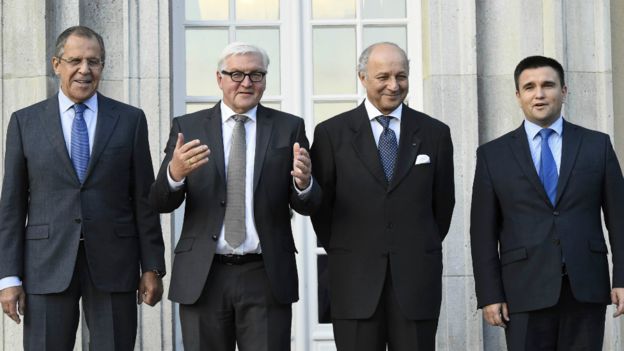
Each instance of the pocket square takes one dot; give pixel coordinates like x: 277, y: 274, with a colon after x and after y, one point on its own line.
x: 422, y: 159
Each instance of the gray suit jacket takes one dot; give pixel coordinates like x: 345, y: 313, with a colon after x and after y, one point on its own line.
x: 205, y: 195
x: 44, y: 208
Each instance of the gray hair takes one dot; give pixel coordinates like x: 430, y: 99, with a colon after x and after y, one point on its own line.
x: 363, y: 61
x: 80, y: 31
x: 240, y: 48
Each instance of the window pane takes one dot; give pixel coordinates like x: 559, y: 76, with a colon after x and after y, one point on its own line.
x: 196, y: 106
x: 257, y: 9
x: 272, y: 104
x: 383, y: 8
x: 203, y: 47
x: 374, y: 34
x: 269, y: 40
x: 324, y: 9
x: 325, y: 110
x: 334, y: 62
x: 206, y: 9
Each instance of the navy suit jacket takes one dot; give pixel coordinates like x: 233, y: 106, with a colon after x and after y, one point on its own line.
x: 519, y: 238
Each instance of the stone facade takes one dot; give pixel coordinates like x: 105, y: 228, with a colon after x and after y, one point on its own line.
x: 470, y: 49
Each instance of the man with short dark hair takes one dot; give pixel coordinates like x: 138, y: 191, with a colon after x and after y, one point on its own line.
x: 75, y: 223
x: 538, y: 250
x: 386, y: 172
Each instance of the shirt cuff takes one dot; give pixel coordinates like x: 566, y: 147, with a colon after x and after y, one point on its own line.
x: 303, y: 194
x: 173, y: 185
x: 9, y: 282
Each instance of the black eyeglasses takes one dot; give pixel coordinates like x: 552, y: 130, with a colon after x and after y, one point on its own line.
x: 238, y: 76
x: 92, y: 62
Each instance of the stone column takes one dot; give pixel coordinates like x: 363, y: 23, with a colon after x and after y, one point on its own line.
x: 450, y: 94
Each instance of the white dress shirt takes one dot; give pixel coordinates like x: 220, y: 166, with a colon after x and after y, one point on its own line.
x: 395, y: 123
x: 252, y: 241
x: 67, y: 114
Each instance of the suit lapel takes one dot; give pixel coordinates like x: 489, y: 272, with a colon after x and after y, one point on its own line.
x: 106, y: 121
x: 364, y: 143
x: 520, y: 149
x: 570, y: 145
x: 264, y: 129
x: 408, y: 147
x: 51, y: 121
x: 214, y: 135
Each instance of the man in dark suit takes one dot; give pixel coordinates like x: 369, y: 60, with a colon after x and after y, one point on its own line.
x: 386, y: 172
x: 75, y: 222
x: 538, y: 250
x: 234, y: 272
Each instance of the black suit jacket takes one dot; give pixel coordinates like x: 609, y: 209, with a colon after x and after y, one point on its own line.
x: 44, y: 208
x: 364, y: 224
x: 518, y: 237
x: 205, y: 195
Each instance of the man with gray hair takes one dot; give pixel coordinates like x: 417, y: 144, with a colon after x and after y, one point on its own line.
x: 75, y: 222
x: 240, y: 167
x: 386, y: 172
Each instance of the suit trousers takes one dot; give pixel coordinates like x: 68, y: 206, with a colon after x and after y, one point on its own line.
x: 569, y: 325
x: 51, y: 320
x: 387, y: 326
x: 236, y: 307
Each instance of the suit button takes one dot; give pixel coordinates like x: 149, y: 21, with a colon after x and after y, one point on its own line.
x: 556, y: 242
x: 389, y: 225
x: 555, y: 213
x: 215, y: 237
x: 222, y: 203
x: 78, y: 220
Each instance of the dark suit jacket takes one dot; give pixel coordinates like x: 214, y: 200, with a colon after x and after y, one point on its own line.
x: 510, y: 208
x: 365, y: 224
x: 44, y: 207
x: 205, y: 195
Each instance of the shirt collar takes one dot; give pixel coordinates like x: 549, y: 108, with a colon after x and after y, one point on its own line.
x: 226, y: 113
x: 533, y: 129
x: 373, y: 112
x: 65, y: 103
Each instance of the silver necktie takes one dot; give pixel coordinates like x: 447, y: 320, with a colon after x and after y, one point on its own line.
x: 235, y: 205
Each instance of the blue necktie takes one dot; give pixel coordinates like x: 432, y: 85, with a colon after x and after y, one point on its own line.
x: 548, y: 168
x: 388, y: 147
x: 80, y: 142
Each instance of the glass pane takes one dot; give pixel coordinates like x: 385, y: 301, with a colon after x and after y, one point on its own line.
x: 325, y: 110
x: 324, y: 311
x: 257, y: 9
x: 269, y: 40
x: 196, y: 106
x: 203, y: 47
x: 334, y: 61
x: 383, y: 8
x: 374, y: 34
x: 324, y: 9
x: 206, y: 9
x: 272, y: 104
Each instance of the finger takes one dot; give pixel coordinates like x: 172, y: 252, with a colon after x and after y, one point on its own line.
x: 505, y: 312
x: 22, y: 303
x: 614, y: 299
x: 140, y: 295
x: 189, y: 146
x: 620, y: 309
x: 180, y: 141
x: 12, y: 312
x: 296, y: 149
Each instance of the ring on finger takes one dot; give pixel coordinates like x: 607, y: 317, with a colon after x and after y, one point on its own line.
x: 190, y: 162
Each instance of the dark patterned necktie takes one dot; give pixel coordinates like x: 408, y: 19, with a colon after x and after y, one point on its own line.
x: 388, y: 147
x: 235, y: 230
x: 80, y: 142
